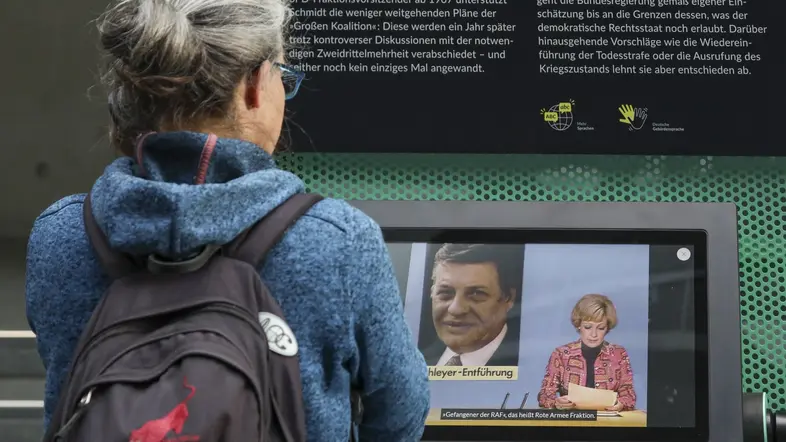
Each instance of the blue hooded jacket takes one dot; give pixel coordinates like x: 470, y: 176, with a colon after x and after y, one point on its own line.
x: 331, y: 274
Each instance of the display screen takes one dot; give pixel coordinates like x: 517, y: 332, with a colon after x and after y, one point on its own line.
x: 525, y: 331
x: 646, y: 77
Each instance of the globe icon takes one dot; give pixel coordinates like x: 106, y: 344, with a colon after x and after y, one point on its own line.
x: 564, y: 120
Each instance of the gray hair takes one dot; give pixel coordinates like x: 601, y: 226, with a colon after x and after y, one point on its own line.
x: 172, y: 61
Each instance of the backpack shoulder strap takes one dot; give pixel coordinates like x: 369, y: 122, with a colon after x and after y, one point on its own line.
x: 116, y: 264
x: 253, y: 245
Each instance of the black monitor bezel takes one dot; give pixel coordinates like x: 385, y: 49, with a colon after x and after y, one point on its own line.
x: 719, y: 220
x: 694, y: 238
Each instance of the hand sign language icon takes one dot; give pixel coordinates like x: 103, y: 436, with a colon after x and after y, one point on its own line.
x: 628, y: 114
x: 633, y: 117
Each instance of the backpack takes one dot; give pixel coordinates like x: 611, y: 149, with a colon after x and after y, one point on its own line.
x: 187, y: 351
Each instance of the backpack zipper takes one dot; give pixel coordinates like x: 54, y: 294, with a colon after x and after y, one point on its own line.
x: 81, y: 407
x: 87, y: 391
x: 126, y: 327
x: 240, y: 313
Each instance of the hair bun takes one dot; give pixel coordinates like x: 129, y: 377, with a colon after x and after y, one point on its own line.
x: 155, y: 46
x: 175, y: 63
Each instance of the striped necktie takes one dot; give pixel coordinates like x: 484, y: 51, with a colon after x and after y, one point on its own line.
x: 455, y: 361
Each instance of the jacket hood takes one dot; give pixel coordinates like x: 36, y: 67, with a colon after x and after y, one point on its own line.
x: 186, y: 190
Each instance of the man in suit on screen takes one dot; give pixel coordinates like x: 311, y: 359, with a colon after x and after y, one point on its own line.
x: 473, y: 290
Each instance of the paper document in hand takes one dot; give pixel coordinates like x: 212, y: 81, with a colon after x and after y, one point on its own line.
x: 591, y: 398
x: 608, y: 414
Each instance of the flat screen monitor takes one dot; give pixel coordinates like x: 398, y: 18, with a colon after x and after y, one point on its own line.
x: 576, y: 329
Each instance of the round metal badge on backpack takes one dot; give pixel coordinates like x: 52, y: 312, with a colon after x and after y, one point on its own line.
x: 280, y: 338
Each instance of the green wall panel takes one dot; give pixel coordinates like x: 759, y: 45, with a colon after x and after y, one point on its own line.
x: 756, y: 185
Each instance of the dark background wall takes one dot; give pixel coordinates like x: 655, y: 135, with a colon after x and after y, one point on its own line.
x: 53, y: 134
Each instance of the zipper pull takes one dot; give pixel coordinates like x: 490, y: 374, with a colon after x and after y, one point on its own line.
x: 80, y: 410
x: 86, y: 398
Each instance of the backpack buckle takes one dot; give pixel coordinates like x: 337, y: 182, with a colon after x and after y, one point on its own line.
x: 159, y: 265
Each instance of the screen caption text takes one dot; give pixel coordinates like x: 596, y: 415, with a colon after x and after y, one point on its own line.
x: 539, y: 414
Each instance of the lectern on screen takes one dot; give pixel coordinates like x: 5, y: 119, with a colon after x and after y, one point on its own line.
x: 562, y: 321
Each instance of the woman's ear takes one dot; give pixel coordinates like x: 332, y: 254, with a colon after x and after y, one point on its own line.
x: 255, y: 86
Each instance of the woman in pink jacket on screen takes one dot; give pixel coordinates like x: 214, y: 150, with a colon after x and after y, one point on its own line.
x: 590, y: 361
